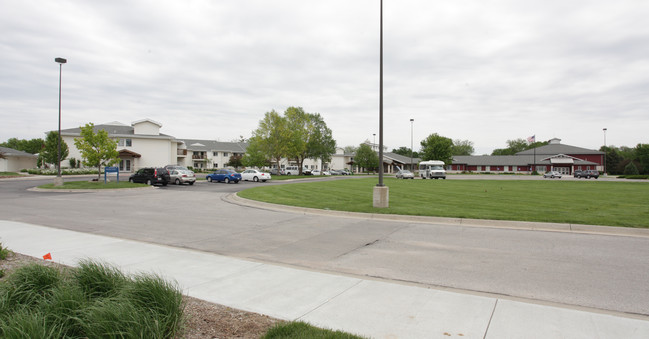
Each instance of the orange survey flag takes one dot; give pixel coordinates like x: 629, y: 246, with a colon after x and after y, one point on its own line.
x: 48, y: 256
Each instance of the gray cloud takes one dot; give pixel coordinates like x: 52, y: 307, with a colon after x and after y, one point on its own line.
x: 483, y: 71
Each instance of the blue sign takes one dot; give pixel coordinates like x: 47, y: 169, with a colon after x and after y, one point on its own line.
x: 108, y: 169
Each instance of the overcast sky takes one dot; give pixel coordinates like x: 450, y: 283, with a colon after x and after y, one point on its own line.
x: 484, y: 71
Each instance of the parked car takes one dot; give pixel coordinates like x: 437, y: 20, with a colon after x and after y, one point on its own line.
x: 335, y: 172
x: 180, y: 176
x: 552, y: 174
x: 224, y: 175
x: 276, y: 171
x: 345, y: 171
x: 254, y: 175
x: 587, y: 174
x: 319, y: 172
x: 151, y: 176
x: 170, y: 168
x: 405, y: 174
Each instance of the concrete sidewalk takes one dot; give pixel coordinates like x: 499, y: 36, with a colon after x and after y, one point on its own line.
x: 366, y: 307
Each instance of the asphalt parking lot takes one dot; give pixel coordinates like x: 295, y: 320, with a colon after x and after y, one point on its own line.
x: 550, y: 266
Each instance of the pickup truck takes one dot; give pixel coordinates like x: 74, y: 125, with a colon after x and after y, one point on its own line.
x: 586, y: 174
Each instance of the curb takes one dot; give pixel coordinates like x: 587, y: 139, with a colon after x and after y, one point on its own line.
x: 503, y: 224
x: 56, y: 190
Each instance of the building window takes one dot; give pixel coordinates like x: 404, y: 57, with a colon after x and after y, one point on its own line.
x: 225, y: 154
x: 124, y: 142
x: 216, y: 154
x: 215, y: 165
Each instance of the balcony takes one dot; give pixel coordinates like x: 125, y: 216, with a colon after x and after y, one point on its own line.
x: 181, y: 152
x: 199, y: 157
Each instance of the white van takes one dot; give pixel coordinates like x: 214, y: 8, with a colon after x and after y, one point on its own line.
x: 432, y: 169
x: 292, y: 170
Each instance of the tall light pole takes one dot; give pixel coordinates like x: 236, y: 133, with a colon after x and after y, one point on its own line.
x: 374, y: 142
x: 604, y: 129
x: 58, y: 181
x: 412, y: 168
x: 380, y: 194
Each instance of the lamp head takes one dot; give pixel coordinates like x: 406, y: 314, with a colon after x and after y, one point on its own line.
x: 60, y: 60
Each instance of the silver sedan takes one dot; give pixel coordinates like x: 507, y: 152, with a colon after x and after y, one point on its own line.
x: 405, y: 174
x: 552, y: 174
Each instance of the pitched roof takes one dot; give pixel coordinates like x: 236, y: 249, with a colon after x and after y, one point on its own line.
x: 114, y: 129
x: 552, y: 149
x: 400, y: 158
x: 146, y: 120
x: 508, y: 160
x: 213, y: 145
x: 10, y: 152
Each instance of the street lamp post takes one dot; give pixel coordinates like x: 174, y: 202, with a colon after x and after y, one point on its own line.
x: 374, y: 142
x: 605, y: 152
x: 412, y: 168
x: 380, y: 194
x: 58, y: 181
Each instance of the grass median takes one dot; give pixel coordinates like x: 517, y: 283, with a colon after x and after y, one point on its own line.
x: 578, y: 202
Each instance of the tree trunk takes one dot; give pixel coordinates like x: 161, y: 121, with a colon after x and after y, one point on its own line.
x: 300, y: 162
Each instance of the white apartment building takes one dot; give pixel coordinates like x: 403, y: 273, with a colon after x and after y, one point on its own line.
x: 139, y: 145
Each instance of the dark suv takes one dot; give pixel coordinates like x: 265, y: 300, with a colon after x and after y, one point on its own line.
x: 587, y: 174
x: 151, y: 176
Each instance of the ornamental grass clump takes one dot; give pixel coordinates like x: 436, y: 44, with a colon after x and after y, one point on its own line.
x: 159, y: 298
x: 93, y: 301
x: 99, y: 280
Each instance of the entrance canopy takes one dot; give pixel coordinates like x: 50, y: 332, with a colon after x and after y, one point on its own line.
x: 127, y: 153
x: 562, y: 159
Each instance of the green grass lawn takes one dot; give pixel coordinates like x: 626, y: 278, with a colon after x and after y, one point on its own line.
x: 289, y: 177
x: 93, y: 185
x: 579, y: 202
x: 300, y: 330
x: 9, y: 174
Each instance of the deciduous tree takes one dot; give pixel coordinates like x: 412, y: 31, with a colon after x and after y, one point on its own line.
x: 51, y: 149
x: 366, y: 157
x: 32, y: 146
x: 310, y: 136
x: 642, y: 155
x: 234, y: 161
x: 254, y: 157
x: 349, y: 149
x: 321, y: 144
x: 405, y: 151
x: 437, y: 147
x: 517, y: 145
x: 462, y: 147
x: 273, y: 136
x: 96, y: 148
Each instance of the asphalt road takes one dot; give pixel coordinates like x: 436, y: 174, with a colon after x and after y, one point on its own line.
x: 598, y: 271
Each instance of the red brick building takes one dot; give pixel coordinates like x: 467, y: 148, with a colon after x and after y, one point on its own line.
x: 552, y: 157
